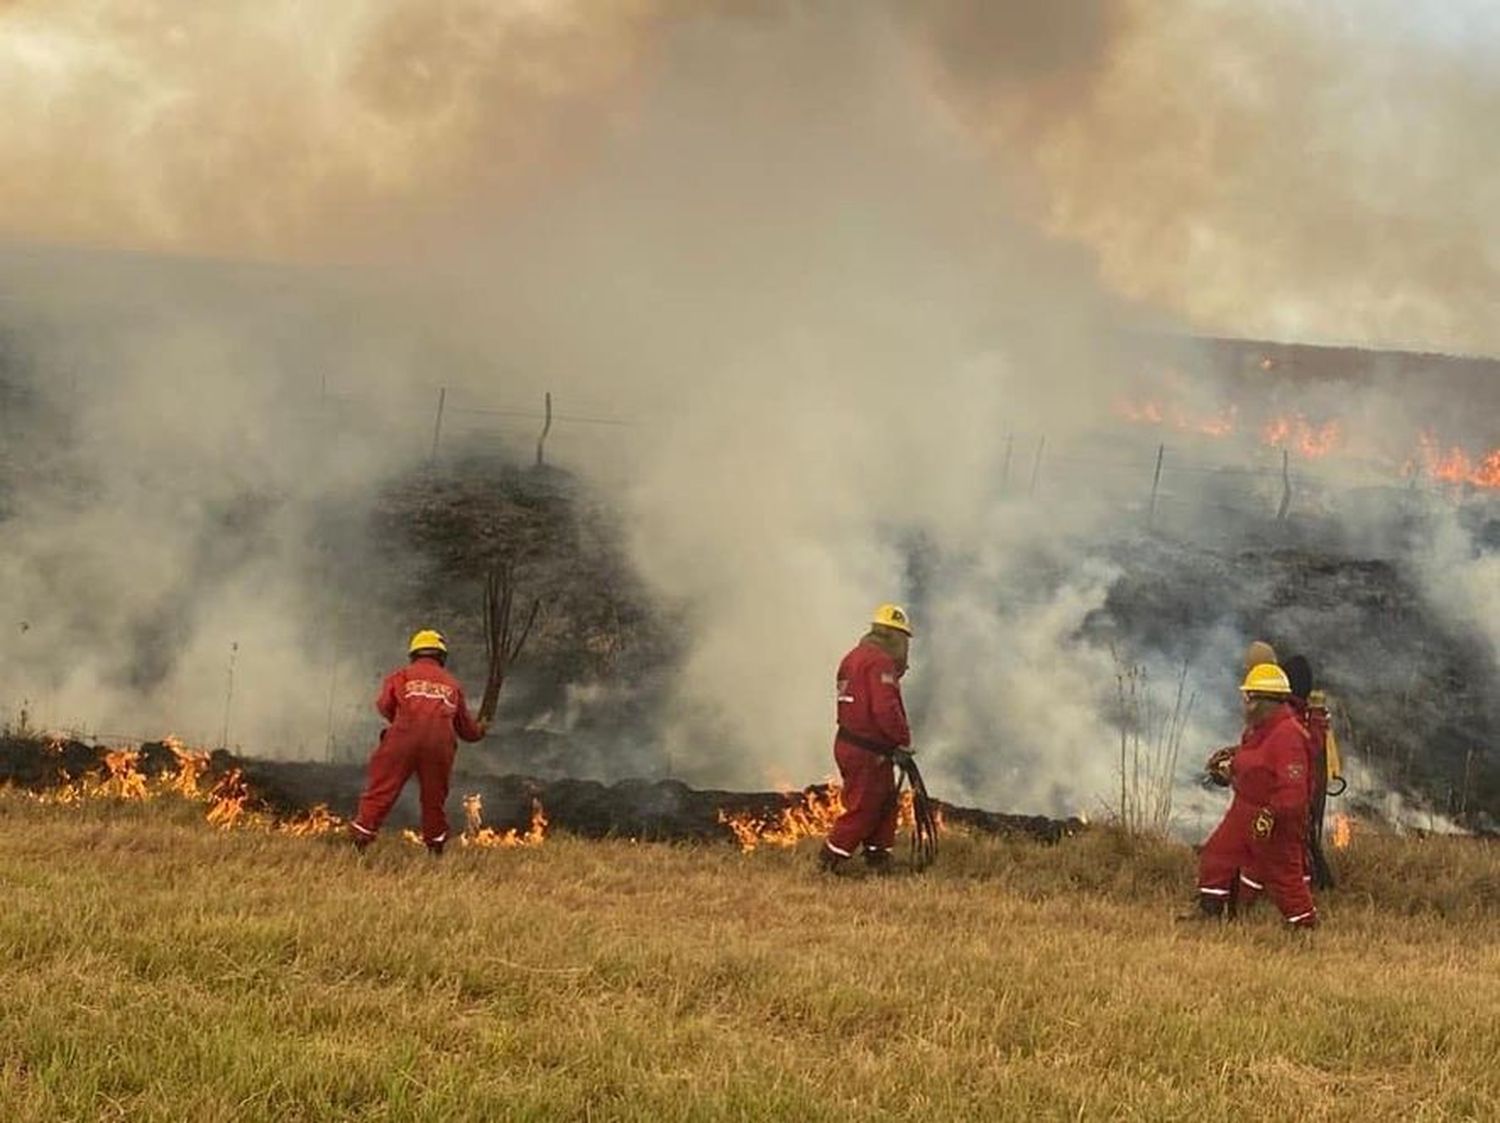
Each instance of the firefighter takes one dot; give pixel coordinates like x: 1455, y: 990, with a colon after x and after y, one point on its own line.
x: 425, y: 707
x: 872, y: 730
x: 1259, y: 844
x: 1217, y: 768
x: 1322, y: 765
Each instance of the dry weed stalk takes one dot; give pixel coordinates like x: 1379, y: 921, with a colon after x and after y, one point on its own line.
x: 502, y: 639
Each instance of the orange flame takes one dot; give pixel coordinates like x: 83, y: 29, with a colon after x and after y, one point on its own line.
x: 1219, y: 424
x: 1315, y: 440
x: 1298, y: 433
x: 475, y: 833
x: 319, y: 821
x: 1343, y: 831
x: 230, y: 802
x: 1453, y: 465
x: 811, y: 815
x: 227, y: 800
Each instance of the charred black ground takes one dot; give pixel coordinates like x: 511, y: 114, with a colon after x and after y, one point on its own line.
x: 649, y: 810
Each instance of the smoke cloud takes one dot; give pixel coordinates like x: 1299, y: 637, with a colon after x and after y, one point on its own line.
x: 856, y: 273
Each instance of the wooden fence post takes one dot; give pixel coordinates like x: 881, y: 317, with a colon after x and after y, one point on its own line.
x: 437, y: 426
x: 1161, y: 452
x: 546, y: 428
x: 1286, y: 486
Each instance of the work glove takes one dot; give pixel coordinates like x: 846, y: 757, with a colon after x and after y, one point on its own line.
x: 902, y: 758
x: 1264, y: 824
x: 1220, y: 767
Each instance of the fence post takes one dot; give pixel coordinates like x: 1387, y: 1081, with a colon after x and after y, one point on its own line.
x: 437, y: 426
x: 1036, y: 466
x: 1286, y: 486
x: 234, y: 650
x: 546, y: 428
x: 1161, y: 451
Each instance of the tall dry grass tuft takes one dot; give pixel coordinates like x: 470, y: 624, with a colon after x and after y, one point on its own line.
x: 1150, y: 745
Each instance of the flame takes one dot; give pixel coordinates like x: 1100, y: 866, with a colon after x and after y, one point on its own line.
x: 227, y: 800
x: 124, y: 780
x: 1343, y: 831
x: 1298, y: 433
x: 811, y: 814
x: 1453, y: 465
x: 475, y: 833
x: 317, y: 822
x: 1318, y: 439
x: 1219, y: 424
x: 230, y: 803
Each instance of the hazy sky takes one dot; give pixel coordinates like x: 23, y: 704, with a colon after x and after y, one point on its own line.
x: 1322, y: 169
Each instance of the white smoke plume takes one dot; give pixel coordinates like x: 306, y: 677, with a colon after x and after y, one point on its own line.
x: 829, y: 258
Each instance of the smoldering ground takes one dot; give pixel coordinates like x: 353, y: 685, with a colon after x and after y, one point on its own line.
x: 825, y: 258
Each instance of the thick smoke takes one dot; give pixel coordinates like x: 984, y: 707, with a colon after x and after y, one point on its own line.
x: 845, y: 266
x: 1275, y: 169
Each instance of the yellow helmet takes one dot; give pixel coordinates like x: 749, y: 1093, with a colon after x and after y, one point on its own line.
x: 1267, y: 678
x: 893, y: 616
x: 427, y: 640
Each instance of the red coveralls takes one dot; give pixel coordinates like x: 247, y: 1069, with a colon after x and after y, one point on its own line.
x: 1270, y: 773
x: 872, y: 721
x: 425, y: 706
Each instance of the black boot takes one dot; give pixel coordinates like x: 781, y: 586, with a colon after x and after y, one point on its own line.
x: 878, y: 861
x: 1209, y: 907
x: 830, y: 862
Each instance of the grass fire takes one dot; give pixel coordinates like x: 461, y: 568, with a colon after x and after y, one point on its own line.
x: 849, y: 561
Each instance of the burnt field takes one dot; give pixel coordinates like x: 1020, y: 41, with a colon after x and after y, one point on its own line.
x: 320, y: 793
x: 1343, y: 579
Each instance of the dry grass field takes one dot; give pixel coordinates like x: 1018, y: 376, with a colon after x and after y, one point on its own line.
x: 154, y: 968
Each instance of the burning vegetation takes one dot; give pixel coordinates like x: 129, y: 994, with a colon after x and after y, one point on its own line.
x: 169, y: 770
x: 810, y: 814
x: 297, y: 799
x: 1433, y: 458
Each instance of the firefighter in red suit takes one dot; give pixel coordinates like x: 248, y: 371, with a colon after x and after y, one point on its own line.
x: 1259, y: 845
x: 872, y: 727
x: 426, y: 709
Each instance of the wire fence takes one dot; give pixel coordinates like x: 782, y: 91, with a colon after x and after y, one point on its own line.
x: 1130, y: 464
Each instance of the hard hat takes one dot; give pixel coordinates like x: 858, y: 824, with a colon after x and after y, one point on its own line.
x: 427, y: 640
x: 1267, y: 678
x: 893, y: 616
